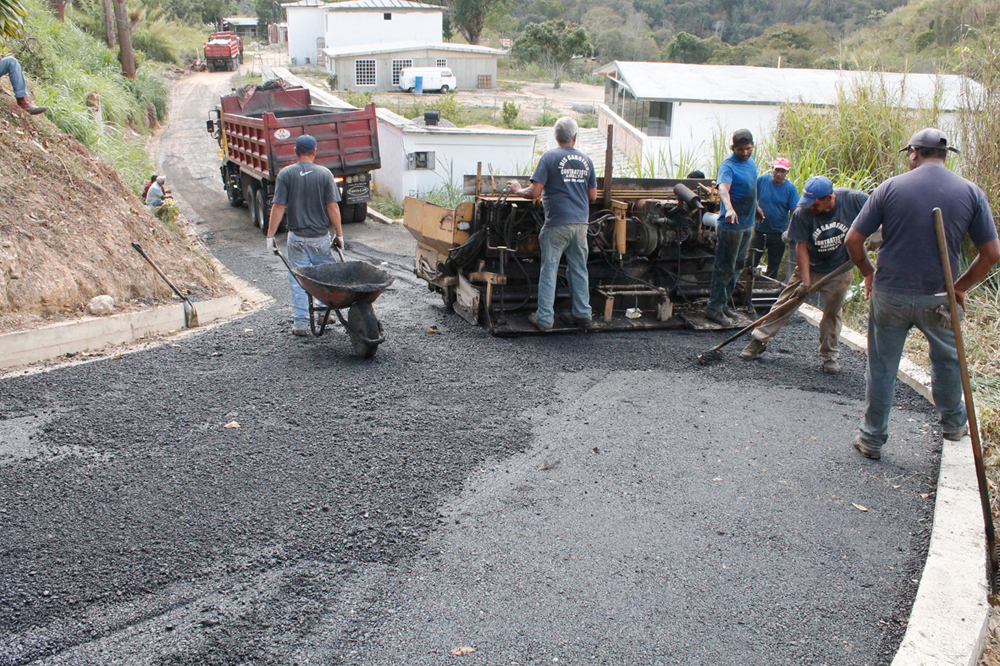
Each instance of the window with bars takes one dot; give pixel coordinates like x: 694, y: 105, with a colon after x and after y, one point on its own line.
x: 364, y: 72
x: 397, y: 68
x: 442, y: 62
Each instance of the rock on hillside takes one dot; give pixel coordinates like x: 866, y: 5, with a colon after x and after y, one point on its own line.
x: 67, y: 222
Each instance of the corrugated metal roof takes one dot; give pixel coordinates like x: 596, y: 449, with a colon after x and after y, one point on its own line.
x: 392, y: 47
x: 306, y: 3
x: 383, y: 4
x: 240, y: 20
x: 729, y: 84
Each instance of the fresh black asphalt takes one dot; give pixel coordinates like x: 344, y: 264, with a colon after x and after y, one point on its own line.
x: 581, y: 499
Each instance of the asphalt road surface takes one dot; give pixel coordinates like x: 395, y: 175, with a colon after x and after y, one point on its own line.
x: 582, y: 499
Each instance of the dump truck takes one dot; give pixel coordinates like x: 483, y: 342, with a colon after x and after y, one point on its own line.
x: 652, y: 245
x: 257, y: 126
x: 223, y: 51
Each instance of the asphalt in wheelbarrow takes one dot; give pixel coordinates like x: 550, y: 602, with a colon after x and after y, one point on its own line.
x: 340, y: 285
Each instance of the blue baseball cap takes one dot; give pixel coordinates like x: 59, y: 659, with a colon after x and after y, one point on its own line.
x: 305, y: 144
x: 816, y: 187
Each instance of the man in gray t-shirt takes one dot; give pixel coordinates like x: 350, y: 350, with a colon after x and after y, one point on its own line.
x: 308, y: 193
x: 909, y: 288
x: 818, y: 226
x: 566, y: 181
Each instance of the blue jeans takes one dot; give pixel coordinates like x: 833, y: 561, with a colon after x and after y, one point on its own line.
x: 570, y: 240
x: 305, y: 252
x: 730, y: 257
x: 12, y: 68
x: 891, y: 317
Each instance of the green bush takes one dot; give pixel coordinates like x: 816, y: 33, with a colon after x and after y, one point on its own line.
x: 509, y: 113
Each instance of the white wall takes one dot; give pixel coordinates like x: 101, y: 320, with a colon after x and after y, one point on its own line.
x: 456, y: 155
x: 305, y: 26
x: 360, y: 28
x: 695, y: 129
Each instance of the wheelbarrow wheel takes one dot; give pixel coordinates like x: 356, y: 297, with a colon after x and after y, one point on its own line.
x: 362, y: 319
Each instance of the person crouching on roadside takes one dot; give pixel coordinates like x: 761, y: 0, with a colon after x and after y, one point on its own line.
x: 156, y: 193
x: 308, y: 193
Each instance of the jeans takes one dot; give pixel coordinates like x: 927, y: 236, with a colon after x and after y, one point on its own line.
x: 570, y: 240
x: 305, y: 252
x: 833, y: 294
x: 730, y: 257
x: 12, y: 68
x: 775, y: 247
x: 891, y: 317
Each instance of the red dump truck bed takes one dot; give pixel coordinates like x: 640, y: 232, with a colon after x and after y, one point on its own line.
x: 260, y: 136
x: 257, y: 128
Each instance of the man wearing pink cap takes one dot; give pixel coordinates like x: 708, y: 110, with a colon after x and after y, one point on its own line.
x: 777, y: 197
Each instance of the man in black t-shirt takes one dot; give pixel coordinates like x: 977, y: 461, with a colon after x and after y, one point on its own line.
x: 818, y: 226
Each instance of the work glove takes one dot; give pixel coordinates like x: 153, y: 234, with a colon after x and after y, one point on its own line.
x: 339, y: 242
x: 271, y: 245
x: 801, y: 292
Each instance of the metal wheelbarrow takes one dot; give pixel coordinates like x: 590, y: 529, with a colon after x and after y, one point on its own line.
x: 348, y: 284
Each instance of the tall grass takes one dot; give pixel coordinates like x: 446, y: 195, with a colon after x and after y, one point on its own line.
x: 65, y: 65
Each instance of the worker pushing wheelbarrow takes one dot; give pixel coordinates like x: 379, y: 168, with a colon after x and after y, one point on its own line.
x: 349, y: 284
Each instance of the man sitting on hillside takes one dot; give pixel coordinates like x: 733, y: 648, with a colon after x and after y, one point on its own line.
x: 12, y: 68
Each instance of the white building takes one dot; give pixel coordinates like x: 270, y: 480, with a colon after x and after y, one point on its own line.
x: 377, y: 67
x: 674, y: 113
x: 418, y: 160
x: 314, y: 25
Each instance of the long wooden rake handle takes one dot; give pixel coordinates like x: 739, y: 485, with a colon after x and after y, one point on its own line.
x: 977, y: 449
x: 790, y: 305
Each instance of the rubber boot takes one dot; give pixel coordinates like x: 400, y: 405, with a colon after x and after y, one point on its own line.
x: 29, y: 106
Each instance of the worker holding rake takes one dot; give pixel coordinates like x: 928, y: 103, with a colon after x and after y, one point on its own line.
x: 818, y: 226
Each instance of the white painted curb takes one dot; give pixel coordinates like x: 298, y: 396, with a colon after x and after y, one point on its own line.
x: 92, y: 333
x: 949, y: 621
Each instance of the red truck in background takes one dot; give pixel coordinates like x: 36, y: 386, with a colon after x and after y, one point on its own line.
x: 257, y: 127
x: 223, y: 51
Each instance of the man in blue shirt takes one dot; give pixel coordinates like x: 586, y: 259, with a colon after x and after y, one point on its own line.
x: 567, y: 183
x: 909, y: 289
x: 776, y: 199
x: 737, y: 182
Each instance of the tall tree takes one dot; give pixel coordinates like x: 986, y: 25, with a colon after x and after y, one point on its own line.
x: 58, y: 8
x: 109, y: 24
x: 126, y: 55
x: 552, y: 44
x: 470, y: 17
x: 12, y: 15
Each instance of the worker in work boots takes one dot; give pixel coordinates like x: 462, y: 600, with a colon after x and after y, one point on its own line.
x: 737, y: 182
x: 909, y: 285
x: 308, y: 192
x: 567, y: 183
x: 12, y: 68
x: 818, y: 226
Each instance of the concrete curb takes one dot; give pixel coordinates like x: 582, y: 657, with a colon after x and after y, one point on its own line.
x: 949, y: 621
x: 92, y: 333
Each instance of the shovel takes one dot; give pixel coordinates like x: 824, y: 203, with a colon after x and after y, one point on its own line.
x: 190, y: 314
x: 977, y: 449
x: 713, y: 354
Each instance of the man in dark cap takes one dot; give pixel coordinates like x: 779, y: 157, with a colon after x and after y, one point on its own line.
x: 308, y: 192
x: 819, y: 224
x: 909, y: 288
x: 737, y: 181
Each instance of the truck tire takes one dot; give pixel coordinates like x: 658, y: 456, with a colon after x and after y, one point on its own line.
x: 353, y: 213
x: 250, y: 192
x: 410, y: 89
x: 444, y: 89
x: 260, y: 210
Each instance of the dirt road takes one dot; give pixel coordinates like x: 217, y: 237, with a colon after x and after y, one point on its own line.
x: 592, y: 499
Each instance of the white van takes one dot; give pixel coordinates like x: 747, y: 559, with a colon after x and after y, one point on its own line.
x: 434, y: 78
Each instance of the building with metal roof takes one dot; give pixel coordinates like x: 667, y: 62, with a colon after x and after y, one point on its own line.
x: 669, y: 113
